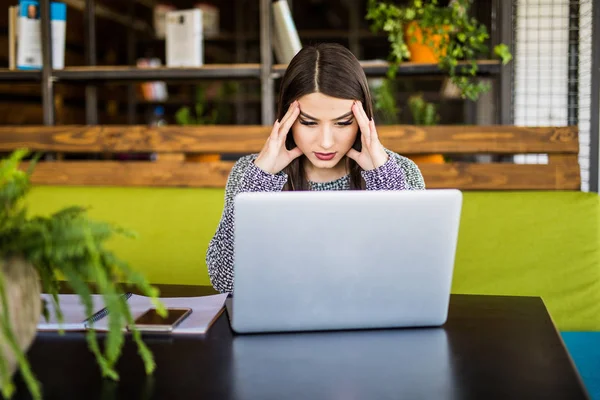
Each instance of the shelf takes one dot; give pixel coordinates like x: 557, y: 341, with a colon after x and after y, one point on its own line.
x: 379, y: 68
x: 19, y: 75
x: 218, y: 71
x: 127, y: 73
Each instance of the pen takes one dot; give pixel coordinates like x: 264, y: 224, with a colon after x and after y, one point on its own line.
x: 104, y: 311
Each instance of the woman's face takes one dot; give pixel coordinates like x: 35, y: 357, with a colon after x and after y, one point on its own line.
x: 325, y: 129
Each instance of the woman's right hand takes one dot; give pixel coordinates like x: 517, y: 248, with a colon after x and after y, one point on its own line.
x: 274, y: 157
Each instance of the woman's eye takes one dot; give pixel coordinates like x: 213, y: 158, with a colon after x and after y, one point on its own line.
x: 308, y: 123
x: 345, y: 123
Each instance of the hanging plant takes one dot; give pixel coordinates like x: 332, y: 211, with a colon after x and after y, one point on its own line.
x: 449, y: 32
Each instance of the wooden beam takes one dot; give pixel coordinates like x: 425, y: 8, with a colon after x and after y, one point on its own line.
x: 501, y: 176
x: 474, y: 139
x: 462, y: 176
x: 134, y: 173
x: 404, y: 139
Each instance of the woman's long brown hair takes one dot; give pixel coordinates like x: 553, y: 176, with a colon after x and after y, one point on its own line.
x: 333, y: 70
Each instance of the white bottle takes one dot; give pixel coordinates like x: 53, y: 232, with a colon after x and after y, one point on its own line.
x: 184, y: 45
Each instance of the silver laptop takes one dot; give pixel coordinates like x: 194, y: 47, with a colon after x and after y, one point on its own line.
x: 331, y: 260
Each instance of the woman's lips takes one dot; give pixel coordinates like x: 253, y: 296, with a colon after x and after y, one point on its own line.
x: 325, y: 156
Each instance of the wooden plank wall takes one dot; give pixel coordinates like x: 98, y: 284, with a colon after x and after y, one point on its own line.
x: 561, y: 143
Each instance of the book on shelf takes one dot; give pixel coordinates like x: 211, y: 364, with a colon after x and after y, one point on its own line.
x: 155, y: 90
x: 25, y: 35
x: 205, y: 310
x: 285, y: 39
x: 13, y: 20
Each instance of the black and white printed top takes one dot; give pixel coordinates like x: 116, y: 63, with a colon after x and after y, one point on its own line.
x: 398, y: 173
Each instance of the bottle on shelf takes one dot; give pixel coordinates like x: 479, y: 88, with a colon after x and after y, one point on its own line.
x: 157, y: 118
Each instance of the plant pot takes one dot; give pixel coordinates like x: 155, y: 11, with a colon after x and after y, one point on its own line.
x: 23, y: 294
x: 427, y: 158
x: 423, y: 52
x: 202, y: 157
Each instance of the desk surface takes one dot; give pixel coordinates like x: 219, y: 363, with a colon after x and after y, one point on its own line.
x: 491, y: 347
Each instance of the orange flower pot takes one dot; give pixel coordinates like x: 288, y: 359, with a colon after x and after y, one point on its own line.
x: 422, y: 52
x: 203, y: 157
x: 427, y: 158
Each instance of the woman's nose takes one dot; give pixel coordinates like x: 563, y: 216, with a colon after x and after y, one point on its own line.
x: 326, y: 138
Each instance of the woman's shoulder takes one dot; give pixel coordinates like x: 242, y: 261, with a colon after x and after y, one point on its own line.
x: 239, y: 169
x: 243, y: 163
x: 411, y: 170
x: 403, y: 161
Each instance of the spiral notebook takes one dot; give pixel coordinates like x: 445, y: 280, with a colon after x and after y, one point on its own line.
x: 74, y: 315
x: 205, y: 310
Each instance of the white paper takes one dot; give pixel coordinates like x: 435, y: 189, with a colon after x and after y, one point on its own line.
x: 73, y: 311
x: 204, y: 311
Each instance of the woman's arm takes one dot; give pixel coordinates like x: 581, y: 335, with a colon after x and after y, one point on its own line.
x: 398, y: 173
x: 244, y: 177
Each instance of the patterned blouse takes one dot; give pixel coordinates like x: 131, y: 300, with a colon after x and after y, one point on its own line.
x: 398, y: 173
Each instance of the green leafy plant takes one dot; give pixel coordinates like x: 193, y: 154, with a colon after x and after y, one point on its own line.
x: 384, y: 102
x: 423, y: 112
x: 201, y: 114
x: 462, y: 38
x: 184, y: 115
x: 70, y: 245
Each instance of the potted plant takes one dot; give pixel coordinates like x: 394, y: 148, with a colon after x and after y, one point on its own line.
x: 424, y: 113
x: 449, y: 33
x: 216, y: 91
x: 37, y: 252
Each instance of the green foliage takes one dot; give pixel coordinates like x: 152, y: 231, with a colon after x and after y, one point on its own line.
x: 423, y: 112
x: 385, y: 103
x: 201, y: 114
x: 503, y: 52
x: 462, y: 37
x: 70, y: 244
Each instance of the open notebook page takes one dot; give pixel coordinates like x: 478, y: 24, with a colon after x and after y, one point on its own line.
x: 73, y: 311
x: 205, y: 309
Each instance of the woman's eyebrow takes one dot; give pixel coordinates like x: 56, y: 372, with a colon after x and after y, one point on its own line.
x: 305, y: 115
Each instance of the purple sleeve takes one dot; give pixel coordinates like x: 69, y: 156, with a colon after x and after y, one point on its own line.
x: 389, y: 176
x: 244, y: 177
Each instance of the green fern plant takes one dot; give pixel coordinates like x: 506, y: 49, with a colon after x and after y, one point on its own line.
x: 70, y: 245
x: 462, y: 36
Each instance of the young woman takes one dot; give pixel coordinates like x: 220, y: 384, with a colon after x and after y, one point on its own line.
x: 324, y: 139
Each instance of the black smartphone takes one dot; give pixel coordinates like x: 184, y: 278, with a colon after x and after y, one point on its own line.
x: 150, y: 321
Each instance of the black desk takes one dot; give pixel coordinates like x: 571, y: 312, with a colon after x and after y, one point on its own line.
x: 491, y: 348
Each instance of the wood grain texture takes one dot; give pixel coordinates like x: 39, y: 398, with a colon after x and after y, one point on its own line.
x: 142, y: 173
x: 462, y: 176
x: 474, y: 139
x: 501, y: 176
x: 404, y: 139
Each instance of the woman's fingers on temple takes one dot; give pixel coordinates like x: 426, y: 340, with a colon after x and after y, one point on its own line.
x: 289, y: 121
x: 289, y: 112
x: 275, y: 130
x: 363, y: 122
x: 373, y: 130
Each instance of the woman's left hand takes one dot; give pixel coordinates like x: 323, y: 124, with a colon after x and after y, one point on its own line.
x: 372, y: 155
